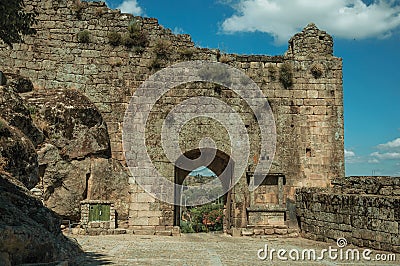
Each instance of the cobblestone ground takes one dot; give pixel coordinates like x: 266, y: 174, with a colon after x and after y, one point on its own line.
x: 204, y: 249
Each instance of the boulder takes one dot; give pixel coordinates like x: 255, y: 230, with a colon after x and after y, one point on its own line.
x: 74, y: 159
x: 64, y: 186
x: 109, y: 180
x: 29, y: 232
x: 17, y: 113
x: 70, y: 122
x: 19, y: 84
x: 18, y: 155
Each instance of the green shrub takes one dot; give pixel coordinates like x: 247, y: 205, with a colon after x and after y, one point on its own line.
x: 208, y: 217
x: 114, y: 38
x: 187, y: 52
x: 78, y: 7
x: 162, y: 48
x: 286, y: 75
x: 139, y: 37
x: 127, y: 41
x: 156, y: 64
x: 186, y: 227
x: 84, y: 36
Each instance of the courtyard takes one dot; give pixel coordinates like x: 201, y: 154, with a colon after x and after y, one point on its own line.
x: 211, y: 249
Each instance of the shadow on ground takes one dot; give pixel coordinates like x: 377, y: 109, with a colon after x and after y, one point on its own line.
x: 92, y: 258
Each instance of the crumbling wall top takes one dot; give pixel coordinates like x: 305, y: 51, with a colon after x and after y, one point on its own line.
x: 310, y: 41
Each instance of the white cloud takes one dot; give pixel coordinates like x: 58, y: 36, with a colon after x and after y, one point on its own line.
x: 390, y: 145
x: 131, y: 6
x: 386, y: 156
x: 348, y: 154
x: 373, y: 160
x: 351, y: 157
x: 343, y: 18
x: 178, y: 30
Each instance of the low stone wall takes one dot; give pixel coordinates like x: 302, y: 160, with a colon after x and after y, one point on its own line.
x: 364, y: 210
x: 265, y: 231
x: 160, y: 231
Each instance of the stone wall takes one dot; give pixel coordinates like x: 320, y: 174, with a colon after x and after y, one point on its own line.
x: 364, y: 210
x: 308, y: 108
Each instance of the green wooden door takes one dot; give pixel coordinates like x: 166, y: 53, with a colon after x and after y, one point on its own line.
x: 99, y: 212
x: 104, y: 212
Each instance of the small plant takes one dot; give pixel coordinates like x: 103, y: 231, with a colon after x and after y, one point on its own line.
x: 84, y: 36
x: 187, y: 53
x: 317, y: 70
x: 99, y: 12
x: 224, y: 59
x: 127, y: 41
x: 156, y: 64
x: 77, y: 7
x: 32, y: 109
x: 162, y: 48
x: 138, y: 36
x: 114, y: 38
x: 286, y: 75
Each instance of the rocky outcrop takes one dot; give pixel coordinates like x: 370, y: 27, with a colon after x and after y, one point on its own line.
x: 29, y: 232
x: 18, y: 155
x: 74, y: 159
x: 18, y: 83
x: 18, y: 114
x: 71, y: 122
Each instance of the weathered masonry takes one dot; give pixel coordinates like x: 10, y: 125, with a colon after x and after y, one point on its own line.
x: 91, y: 48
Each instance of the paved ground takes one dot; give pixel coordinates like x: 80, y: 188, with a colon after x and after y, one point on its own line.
x: 204, y: 249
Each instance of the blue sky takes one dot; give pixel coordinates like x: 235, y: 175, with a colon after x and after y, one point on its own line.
x: 367, y: 37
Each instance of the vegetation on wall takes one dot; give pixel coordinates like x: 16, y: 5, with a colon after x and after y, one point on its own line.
x: 286, y: 75
x: 84, y: 36
x: 138, y: 36
x: 135, y: 37
x: 77, y: 7
x: 187, y: 52
x: 224, y: 58
x: 114, y: 38
x: 15, y: 22
x: 162, y: 50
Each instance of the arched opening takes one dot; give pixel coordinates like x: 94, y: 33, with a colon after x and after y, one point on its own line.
x: 218, y: 167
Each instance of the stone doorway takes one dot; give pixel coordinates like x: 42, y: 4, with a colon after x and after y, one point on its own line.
x: 221, y: 164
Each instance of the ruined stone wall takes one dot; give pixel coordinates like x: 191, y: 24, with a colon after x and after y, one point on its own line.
x: 308, y: 108
x: 364, y: 210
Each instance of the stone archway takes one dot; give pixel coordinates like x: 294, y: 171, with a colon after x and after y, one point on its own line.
x: 222, y: 165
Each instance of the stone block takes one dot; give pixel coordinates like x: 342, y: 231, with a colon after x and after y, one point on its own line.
x: 269, y: 231
x: 258, y: 231
x: 164, y: 233
x: 236, y: 232
x: 247, y: 232
x: 280, y: 231
x: 143, y: 231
